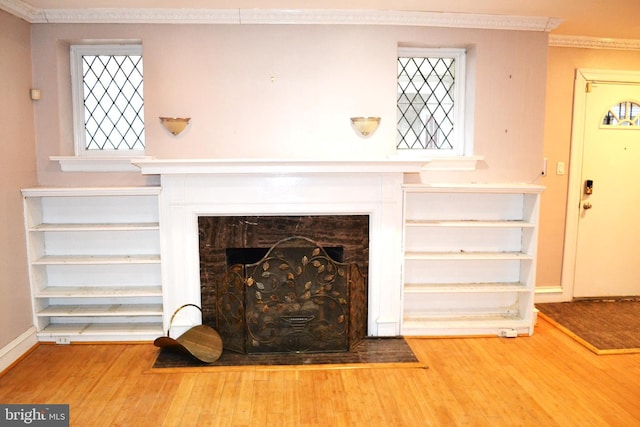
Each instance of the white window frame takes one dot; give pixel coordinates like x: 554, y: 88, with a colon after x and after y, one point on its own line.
x: 77, y: 93
x: 461, y: 140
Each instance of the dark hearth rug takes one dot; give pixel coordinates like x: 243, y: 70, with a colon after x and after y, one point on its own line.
x: 604, y: 326
x: 370, y: 351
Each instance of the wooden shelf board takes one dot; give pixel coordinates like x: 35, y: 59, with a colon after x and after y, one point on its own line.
x: 95, y: 291
x: 71, y: 329
x: 459, y: 317
x: 97, y: 227
x: 418, y: 288
x: 101, y: 310
x: 467, y: 255
x: 452, y: 323
x: 466, y: 330
x: 90, y: 191
x: 469, y: 223
x: 97, y: 259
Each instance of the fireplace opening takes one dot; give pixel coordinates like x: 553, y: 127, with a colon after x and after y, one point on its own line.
x: 285, y: 283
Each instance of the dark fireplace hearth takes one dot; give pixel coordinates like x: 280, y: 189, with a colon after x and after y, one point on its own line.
x: 268, y: 288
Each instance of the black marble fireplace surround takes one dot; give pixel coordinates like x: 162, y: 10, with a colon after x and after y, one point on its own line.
x: 220, y: 234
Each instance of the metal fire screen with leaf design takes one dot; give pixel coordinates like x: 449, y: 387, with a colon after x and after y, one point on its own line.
x: 295, y: 299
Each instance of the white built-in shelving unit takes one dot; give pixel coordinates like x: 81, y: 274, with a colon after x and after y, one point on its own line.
x: 94, y: 260
x: 469, y: 259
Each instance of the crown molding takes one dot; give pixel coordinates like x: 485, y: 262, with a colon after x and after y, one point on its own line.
x: 593, y: 42
x: 277, y: 16
x: 141, y: 16
x: 398, y: 18
x: 21, y: 10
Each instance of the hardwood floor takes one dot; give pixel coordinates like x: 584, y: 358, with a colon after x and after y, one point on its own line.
x: 543, y: 380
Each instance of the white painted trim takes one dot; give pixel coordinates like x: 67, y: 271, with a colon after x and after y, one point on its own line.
x: 17, y: 348
x: 278, y: 16
x: 192, y: 189
x: 97, y: 164
x: 573, y: 194
x: 593, y: 42
x: 548, y: 294
x: 398, y: 17
x: 89, y: 191
x: 595, y: 75
x: 461, y: 163
x: 459, y: 143
x: 575, y: 170
x: 275, y: 166
x: 76, y: 53
x: 495, y: 188
x: 354, y: 17
x: 22, y: 10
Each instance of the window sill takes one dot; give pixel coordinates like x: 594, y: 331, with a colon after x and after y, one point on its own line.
x: 97, y: 164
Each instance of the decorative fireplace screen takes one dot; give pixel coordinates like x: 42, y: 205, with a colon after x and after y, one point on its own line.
x: 296, y: 298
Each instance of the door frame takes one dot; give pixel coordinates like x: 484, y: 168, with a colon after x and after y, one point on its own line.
x: 574, y: 193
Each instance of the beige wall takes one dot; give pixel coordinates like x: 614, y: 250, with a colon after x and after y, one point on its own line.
x: 562, y: 65
x: 284, y: 91
x: 288, y: 92
x: 17, y: 170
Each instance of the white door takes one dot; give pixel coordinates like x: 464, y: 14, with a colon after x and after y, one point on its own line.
x: 608, y: 239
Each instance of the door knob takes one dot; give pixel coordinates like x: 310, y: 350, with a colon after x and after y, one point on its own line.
x: 587, y: 205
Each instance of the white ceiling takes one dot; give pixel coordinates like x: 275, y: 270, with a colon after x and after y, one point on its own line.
x: 593, y: 18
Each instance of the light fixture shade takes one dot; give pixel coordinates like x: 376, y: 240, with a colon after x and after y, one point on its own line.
x: 175, y: 125
x: 365, y: 125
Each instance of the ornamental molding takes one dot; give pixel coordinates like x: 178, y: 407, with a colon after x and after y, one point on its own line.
x: 21, y: 10
x: 277, y: 16
x: 398, y: 18
x: 139, y: 16
x: 593, y: 42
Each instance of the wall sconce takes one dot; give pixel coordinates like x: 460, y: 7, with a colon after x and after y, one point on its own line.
x: 365, y: 125
x: 175, y: 125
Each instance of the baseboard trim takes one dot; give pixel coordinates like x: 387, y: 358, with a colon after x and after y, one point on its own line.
x: 17, y: 349
x: 549, y: 294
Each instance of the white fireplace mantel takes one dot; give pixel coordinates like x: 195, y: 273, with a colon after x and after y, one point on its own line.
x: 193, y: 188
x: 275, y: 166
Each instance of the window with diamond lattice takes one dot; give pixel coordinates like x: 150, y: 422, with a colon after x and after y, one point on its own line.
x: 624, y: 114
x: 430, y: 100
x: 107, y: 82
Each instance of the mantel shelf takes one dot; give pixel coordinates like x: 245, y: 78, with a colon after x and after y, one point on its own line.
x: 276, y: 166
x: 497, y: 188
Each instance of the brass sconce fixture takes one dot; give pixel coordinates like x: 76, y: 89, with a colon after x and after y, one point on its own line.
x: 365, y: 125
x: 175, y: 125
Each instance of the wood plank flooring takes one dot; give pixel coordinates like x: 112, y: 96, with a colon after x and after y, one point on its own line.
x: 544, y: 380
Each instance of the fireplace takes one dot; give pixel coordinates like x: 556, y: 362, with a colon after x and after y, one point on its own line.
x: 267, y: 287
x: 192, y: 189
